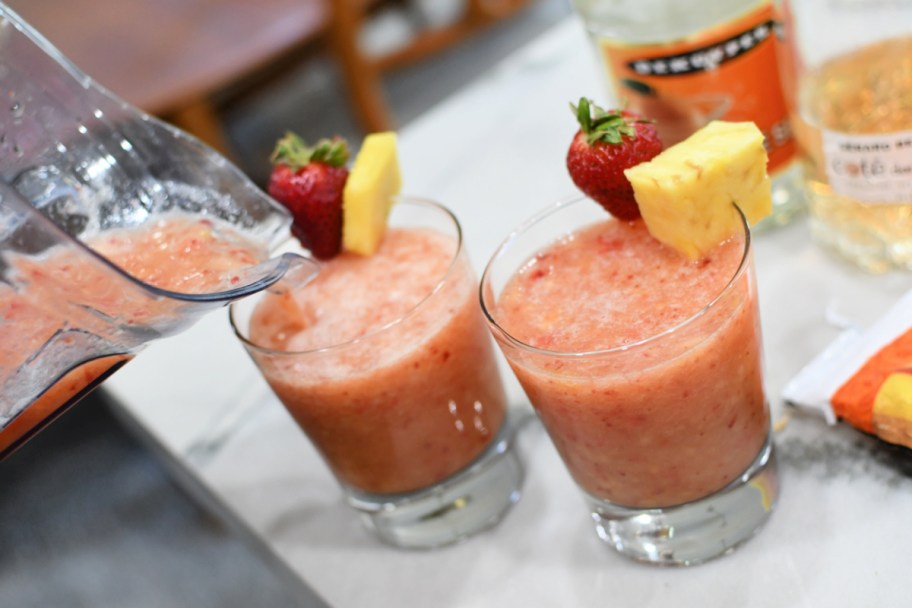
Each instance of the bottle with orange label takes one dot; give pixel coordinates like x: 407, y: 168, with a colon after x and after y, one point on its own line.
x: 687, y: 62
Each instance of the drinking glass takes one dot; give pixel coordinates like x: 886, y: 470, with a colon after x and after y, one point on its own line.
x: 410, y: 417
x: 667, y: 437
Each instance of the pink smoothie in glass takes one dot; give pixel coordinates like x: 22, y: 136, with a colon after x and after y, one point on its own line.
x: 643, y: 421
x: 385, y: 363
x: 67, y: 289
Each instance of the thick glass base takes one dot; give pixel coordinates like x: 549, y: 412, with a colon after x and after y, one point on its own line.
x: 471, y: 501
x: 696, y: 531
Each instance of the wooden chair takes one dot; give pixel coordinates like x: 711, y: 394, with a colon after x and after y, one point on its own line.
x: 169, y: 57
x: 172, y: 57
x: 363, y: 73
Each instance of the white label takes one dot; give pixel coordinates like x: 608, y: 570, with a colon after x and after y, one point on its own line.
x: 870, y: 168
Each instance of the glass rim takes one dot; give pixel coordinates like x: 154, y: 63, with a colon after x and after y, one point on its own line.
x: 526, y: 225
x: 399, y: 200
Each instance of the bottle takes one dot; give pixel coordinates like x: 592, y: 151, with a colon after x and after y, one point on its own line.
x: 847, y: 72
x: 685, y: 63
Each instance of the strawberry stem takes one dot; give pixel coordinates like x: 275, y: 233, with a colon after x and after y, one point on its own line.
x: 583, y: 114
x: 609, y: 126
x: 293, y: 151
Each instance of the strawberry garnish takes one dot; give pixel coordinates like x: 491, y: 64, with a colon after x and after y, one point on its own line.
x: 309, y: 182
x: 607, y: 143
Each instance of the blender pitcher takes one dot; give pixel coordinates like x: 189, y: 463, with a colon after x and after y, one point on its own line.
x: 75, y: 163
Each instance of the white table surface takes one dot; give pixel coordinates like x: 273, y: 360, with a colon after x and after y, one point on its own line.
x: 494, y: 153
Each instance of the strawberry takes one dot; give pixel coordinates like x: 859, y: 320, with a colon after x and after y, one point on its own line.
x: 309, y: 181
x: 607, y: 143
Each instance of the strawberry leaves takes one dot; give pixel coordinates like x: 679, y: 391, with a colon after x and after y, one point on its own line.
x: 294, y: 152
x: 607, y: 143
x: 609, y: 126
x: 309, y: 181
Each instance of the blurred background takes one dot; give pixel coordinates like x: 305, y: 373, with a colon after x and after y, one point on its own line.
x: 91, y: 513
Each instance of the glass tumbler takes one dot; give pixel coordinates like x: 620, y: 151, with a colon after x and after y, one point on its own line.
x: 404, y: 402
x: 668, y: 437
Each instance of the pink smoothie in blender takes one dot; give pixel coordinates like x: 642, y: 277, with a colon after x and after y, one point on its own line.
x: 63, y: 289
x: 115, y: 229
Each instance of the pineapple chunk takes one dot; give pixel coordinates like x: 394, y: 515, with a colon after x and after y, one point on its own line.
x: 369, y: 193
x: 685, y: 193
x: 893, y: 408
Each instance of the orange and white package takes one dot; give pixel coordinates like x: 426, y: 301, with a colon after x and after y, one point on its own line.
x: 864, y: 378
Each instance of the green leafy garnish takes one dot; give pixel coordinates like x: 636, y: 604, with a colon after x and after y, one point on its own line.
x: 293, y: 151
x: 609, y: 126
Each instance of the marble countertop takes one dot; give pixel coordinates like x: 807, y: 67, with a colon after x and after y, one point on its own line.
x: 494, y: 154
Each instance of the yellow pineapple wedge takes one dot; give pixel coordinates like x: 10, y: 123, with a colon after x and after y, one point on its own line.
x: 373, y: 183
x: 685, y: 193
x: 892, y: 415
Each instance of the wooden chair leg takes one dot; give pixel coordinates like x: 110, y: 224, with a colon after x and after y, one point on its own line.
x: 363, y: 74
x: 494, y: 9
x: 477, y: 15
x: 201, y: 119
x: 359, y: 71
x: 426, y: 44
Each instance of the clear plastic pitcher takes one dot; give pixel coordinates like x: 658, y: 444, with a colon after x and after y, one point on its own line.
x: 75, y: 163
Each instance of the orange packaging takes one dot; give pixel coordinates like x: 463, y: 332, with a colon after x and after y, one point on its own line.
x: 729, y: 72
x: 864, y: 378
x: 856, y: 400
